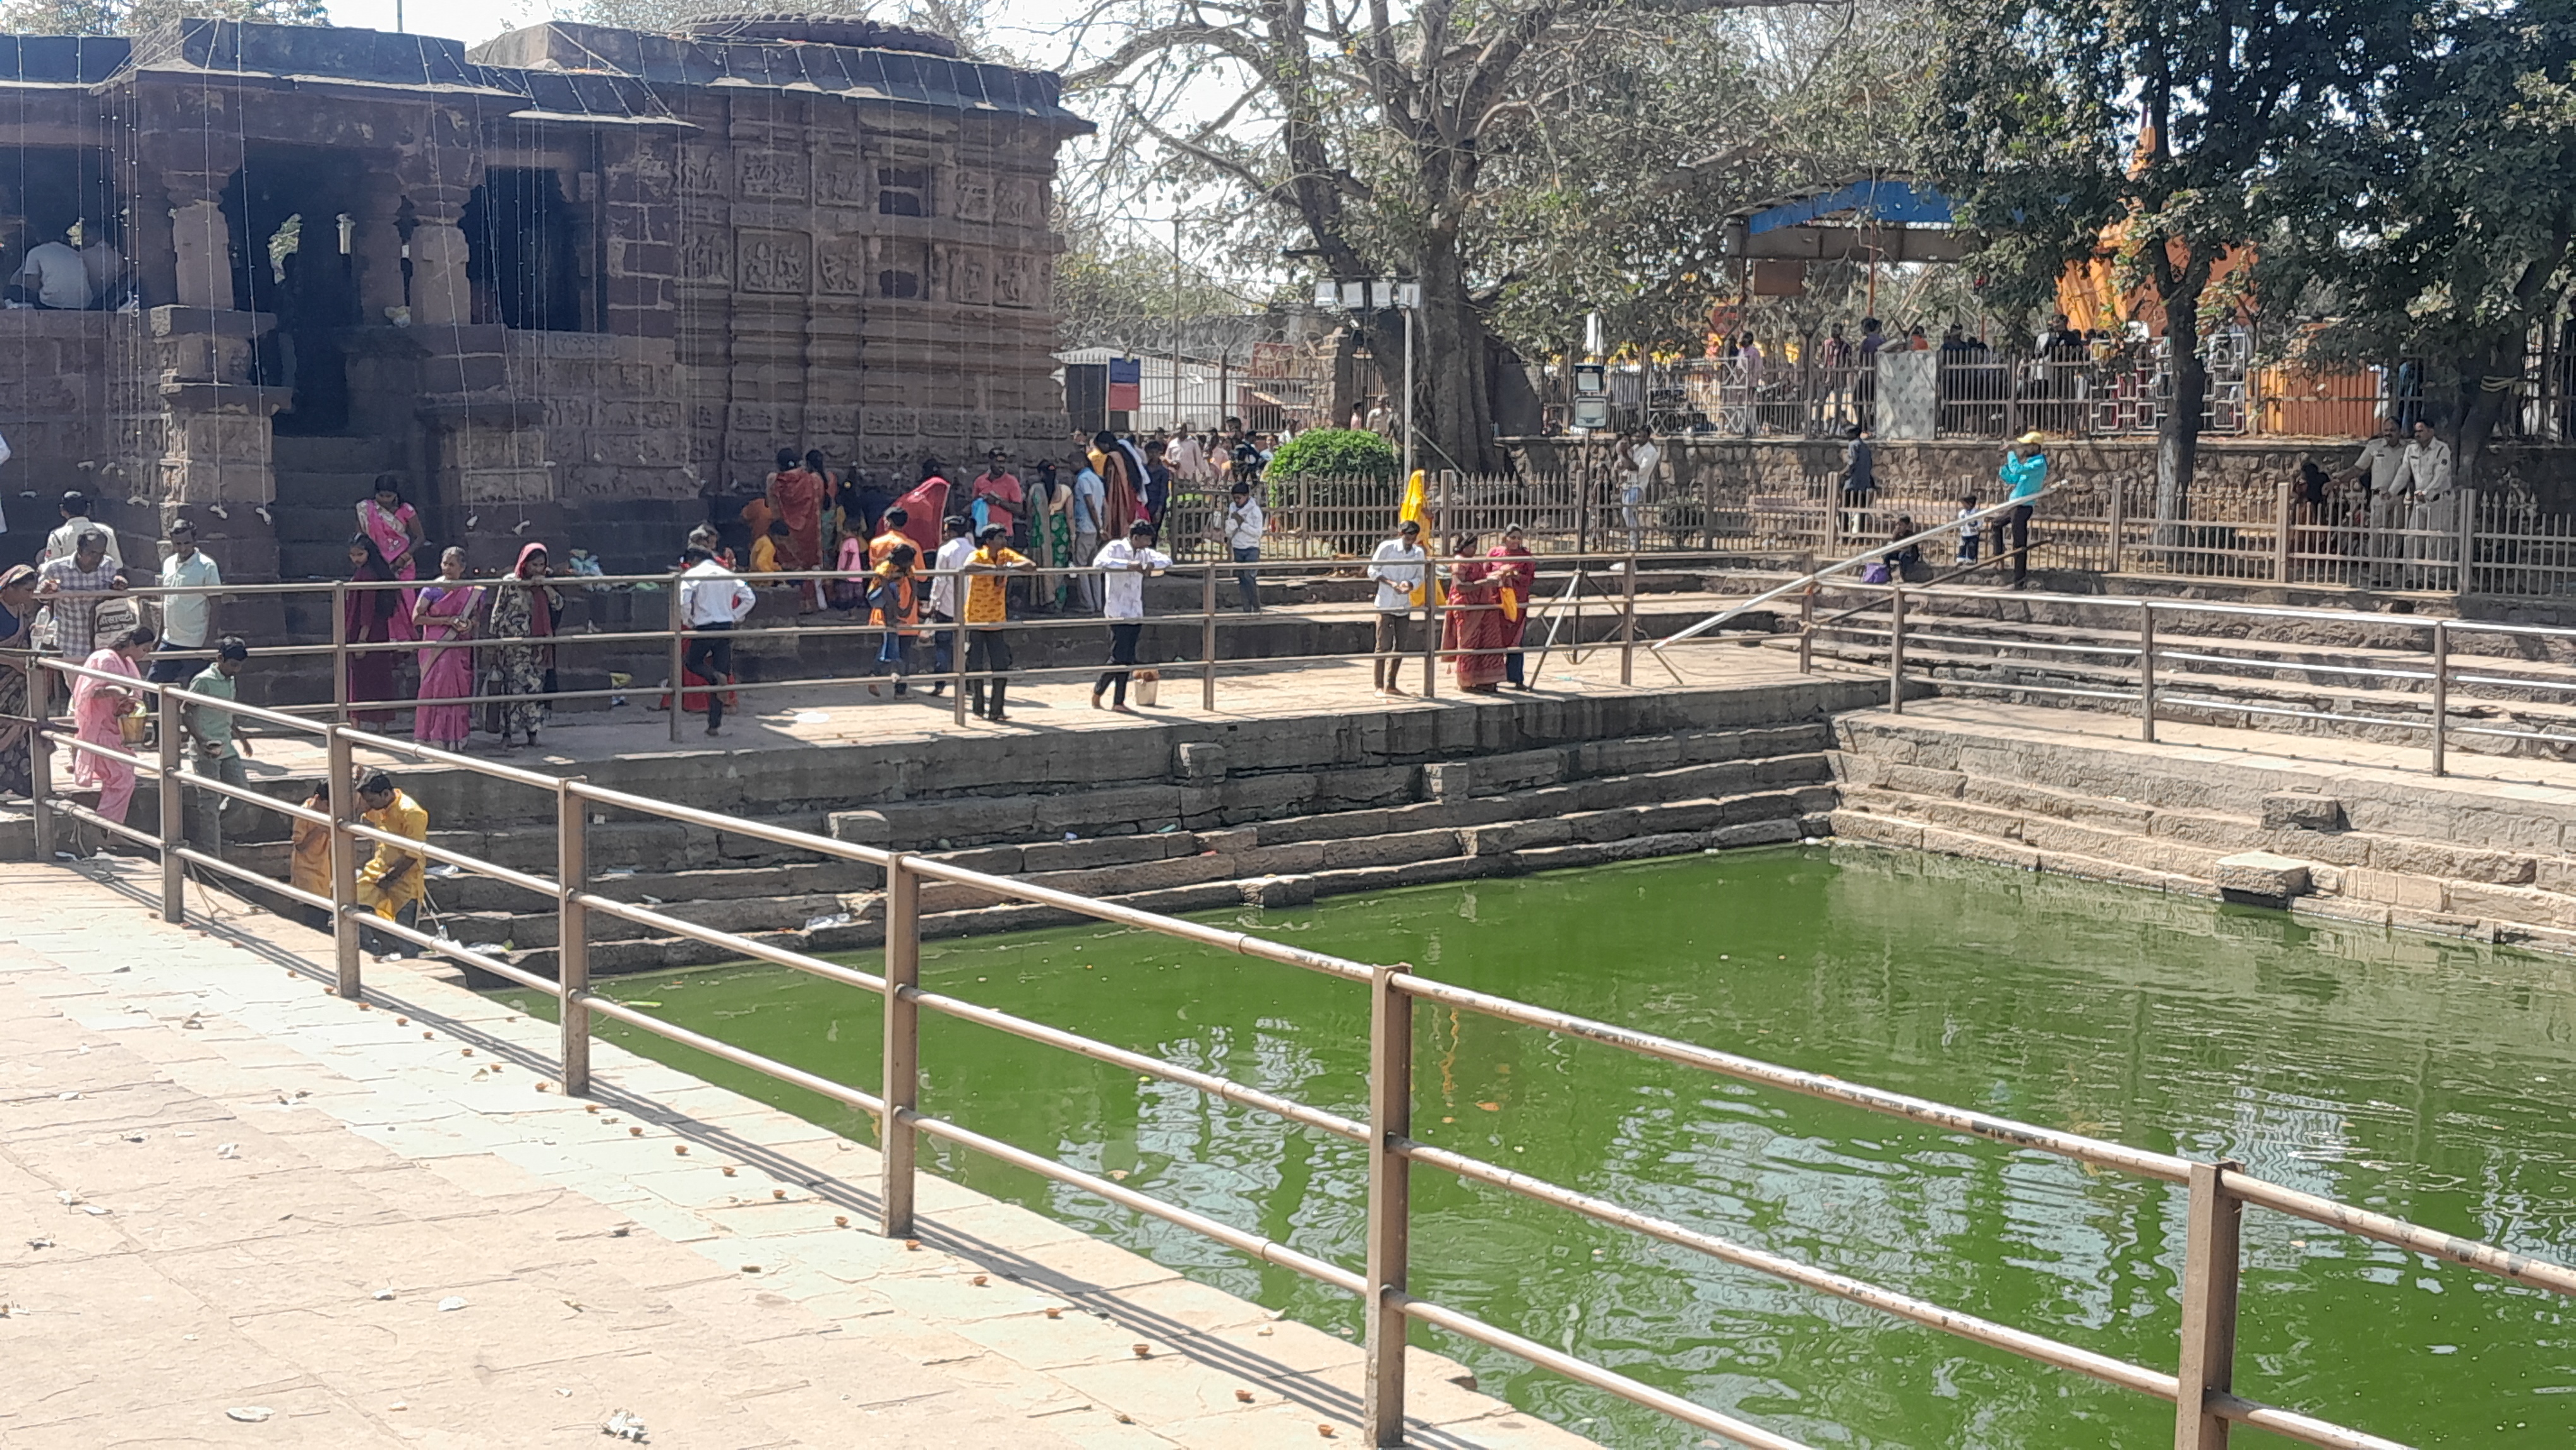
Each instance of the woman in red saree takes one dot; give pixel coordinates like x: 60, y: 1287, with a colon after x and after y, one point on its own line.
x: 1515, y: 576
x: 367, y: 617
x: 444, y: 618
x: 796, y: 497
x: 1472, y: 627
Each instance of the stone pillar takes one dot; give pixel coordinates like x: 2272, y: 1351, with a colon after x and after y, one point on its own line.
x: 201, y: 239
x: 439, y: 293
x: 376, y: 248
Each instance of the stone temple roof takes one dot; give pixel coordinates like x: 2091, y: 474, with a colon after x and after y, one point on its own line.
x: 584, y: 71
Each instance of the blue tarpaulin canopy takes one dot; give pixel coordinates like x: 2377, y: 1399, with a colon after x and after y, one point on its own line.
x: 1893, y: 218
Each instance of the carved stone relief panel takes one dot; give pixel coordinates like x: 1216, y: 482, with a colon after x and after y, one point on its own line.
x: 841, y: 265
x: 972, y: 282
x: 974, y: 190
x: 703, y: 171
x: 1011, y: 280
x: 775, y: 174
x: 843, y: 178
x: 776, y: 261
x: 1021, y: 202
x: 706, y: 255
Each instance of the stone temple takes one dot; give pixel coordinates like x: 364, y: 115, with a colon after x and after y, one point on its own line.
x: 577, y: 285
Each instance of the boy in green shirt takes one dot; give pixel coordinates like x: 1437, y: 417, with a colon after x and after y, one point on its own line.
x: 216, y: 753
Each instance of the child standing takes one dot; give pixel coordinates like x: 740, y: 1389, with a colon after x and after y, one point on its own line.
x: 1969, y: 529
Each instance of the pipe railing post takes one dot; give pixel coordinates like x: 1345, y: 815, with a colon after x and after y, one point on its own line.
x: 1390, y: 1211
x: 2211, y: 1263
x: 2119, y: 524
x: 902, y: 1058
x: 1896, y: 649
x: 1628, y: 620
x: 40, y: 757
x: 1207, y: 639
x: 957, y: 649
x: 174, y: 829
x: 2282, y: 516
x: 344, y: 862
x: 2146, y: 672
x: 2441, y: 695
x: 1807, y: 631
x: 572, y: 934
x: 679, y: 657
x: 339, y: 653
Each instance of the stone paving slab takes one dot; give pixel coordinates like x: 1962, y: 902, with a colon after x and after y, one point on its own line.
x: 299, y: 1154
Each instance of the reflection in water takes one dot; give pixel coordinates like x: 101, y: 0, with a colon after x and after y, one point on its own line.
x: 2423, y: 1078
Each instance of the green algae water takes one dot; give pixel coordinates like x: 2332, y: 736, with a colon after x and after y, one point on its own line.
x: 2428, y: 1079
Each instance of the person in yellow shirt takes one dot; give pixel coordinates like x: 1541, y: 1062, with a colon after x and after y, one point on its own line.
x: 988, y: 646
x: 766, y: 550
x: 308, y: 866
x: 393, y: 884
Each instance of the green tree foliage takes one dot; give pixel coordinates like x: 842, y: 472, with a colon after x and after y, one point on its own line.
x: 1333, y: 453
x: 1111, y: 293
x: 2434, y: 221
x: 2050, y: 121
x: 135, y: 17
x: 1383, y: 142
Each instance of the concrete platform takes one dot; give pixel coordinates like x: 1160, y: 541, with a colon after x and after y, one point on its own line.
x: 223, y: 1188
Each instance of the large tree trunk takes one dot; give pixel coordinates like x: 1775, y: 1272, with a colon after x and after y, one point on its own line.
x: 1451, y: 349
x: 2483, y: 407
x: 2178, y: 436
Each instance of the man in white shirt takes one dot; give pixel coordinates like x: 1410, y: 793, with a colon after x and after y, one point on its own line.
x: 63, y: 541
x: 1188, y: 456
x: 53, y: 276
x: 187, y: 620
x: 2382, y: 465
x: 1090, y: 506
x: 2432, y: 510
x: 1643, y: 458
x: 713, y: 599
x: 945, y: 597
x: 1124, y: 566
x: 1241, y: 527
x: 1397, y: 566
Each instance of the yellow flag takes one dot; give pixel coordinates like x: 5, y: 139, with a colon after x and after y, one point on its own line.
x: 1415, y: 509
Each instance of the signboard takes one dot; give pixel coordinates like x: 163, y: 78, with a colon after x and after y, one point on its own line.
x: 1126, y: 384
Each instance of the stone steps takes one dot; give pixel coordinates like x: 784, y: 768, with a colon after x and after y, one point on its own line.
x: 2418, y: 854
x: 1247, y: 867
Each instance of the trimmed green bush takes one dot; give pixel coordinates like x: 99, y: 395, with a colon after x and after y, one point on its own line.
x: 1334, y: 452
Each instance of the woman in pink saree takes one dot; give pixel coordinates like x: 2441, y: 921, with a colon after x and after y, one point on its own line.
x: 394, y: 527
x: 444, y: 620
x: 97, y: 706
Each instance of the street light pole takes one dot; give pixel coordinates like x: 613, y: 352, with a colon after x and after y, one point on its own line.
x: 1173, y: 420
x: 1408, y: 391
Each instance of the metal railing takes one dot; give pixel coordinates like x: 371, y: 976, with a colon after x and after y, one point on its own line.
x: 2464, y: 672
x: 2201, y: 1387
x: 1600, y: 584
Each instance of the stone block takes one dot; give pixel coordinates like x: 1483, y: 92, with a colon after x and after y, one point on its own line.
x: 1279, y: 891
x: 2392, y: 888
x: 1199, y: 763
x: 992, y: 860
x: 2260, y: 876
x: 1105, y: 851
x: 1395, y: 850
x: 2424, y: 858
x: 1877, y: 830
x: 1509, y: 836
x: 1755, y: 833
x: 2506, y: 903
x: 1980, y: 848
x: 1229, y: 842
x: 1915, y: 780
x: 1449, y: 780
x: 1289, y: 858
x: 2301, y: 811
